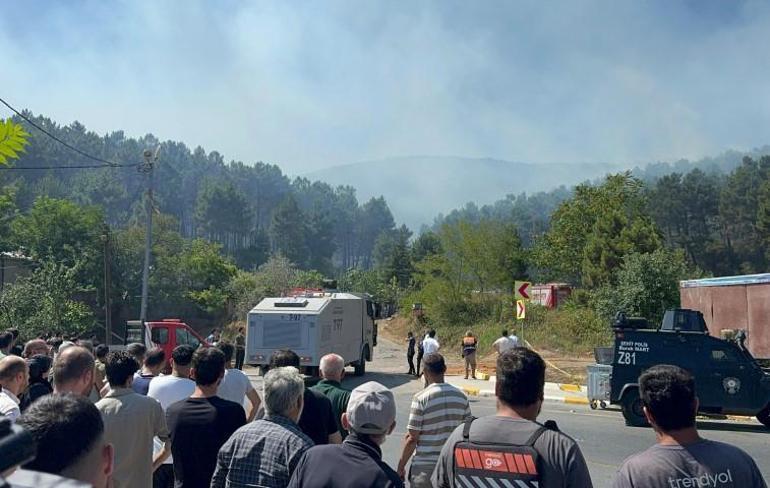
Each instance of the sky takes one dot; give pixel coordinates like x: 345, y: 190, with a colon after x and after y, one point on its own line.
x: 313, y: 84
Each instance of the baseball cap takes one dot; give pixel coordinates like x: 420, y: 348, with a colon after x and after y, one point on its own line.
x: 371, y: 409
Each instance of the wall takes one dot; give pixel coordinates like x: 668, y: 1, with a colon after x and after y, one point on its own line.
x: 734, y: 307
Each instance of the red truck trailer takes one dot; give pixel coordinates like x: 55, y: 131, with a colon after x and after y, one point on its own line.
x: 550, y: 295
x: 733, y: 303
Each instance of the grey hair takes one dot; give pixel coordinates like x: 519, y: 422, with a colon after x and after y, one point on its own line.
x: 282, y: 388
x: 331, y: 365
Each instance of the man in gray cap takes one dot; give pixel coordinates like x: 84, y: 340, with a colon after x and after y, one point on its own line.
x: 370, y: 418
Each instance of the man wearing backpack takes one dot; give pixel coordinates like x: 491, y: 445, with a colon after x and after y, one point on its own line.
x: 511, y: 447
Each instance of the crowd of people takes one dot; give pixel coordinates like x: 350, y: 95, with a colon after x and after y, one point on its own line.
x: 204, y: 425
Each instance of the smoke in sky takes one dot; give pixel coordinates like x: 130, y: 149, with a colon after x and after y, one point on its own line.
x: 309, y: 84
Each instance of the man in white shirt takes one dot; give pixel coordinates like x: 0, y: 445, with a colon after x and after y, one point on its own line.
x: 505, y: 342
x: 236, y: 386
x: 14, y: 375
x: 430, y: 345
x: 168, y: 390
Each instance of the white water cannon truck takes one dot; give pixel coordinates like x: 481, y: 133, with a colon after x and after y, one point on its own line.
x: 313, y: 323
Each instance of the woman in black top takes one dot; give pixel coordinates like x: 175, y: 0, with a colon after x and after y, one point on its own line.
x: 39, y: 366
x: 410, y: 352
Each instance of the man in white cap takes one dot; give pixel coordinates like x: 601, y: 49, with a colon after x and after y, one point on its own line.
x: 370, y: 418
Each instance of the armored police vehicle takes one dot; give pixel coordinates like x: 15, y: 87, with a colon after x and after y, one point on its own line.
x: 728, y: 379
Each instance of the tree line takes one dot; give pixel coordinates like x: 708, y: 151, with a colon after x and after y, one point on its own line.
x: 224, y: 233
x: 623, y: 242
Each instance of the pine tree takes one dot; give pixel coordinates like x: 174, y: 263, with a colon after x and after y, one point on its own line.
x: 288, y: 232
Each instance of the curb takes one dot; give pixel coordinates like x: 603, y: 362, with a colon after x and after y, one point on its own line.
x: 566, y: 399
x: 470, y: 391
x: 570, y: 387
x: 576, y: 400
x: 740, y: 418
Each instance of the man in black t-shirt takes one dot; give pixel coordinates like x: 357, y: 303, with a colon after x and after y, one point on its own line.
x: 201, y: 424
x: 317, y: 421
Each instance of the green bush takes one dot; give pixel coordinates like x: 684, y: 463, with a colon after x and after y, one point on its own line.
x: 646, y: 285
x: 42, y: 303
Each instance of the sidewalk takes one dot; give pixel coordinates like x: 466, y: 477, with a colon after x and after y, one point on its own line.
x: 554, y: 392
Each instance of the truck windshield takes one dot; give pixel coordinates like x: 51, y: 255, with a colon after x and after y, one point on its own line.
x: 160, y: 335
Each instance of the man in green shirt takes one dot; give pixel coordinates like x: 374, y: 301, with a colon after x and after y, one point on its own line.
x: 332, y: 369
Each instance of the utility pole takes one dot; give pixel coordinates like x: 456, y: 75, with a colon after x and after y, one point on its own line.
x: 147, y: 168
x: 107, y: 286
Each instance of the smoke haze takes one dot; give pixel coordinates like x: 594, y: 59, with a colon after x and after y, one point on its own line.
x: 309, y: 85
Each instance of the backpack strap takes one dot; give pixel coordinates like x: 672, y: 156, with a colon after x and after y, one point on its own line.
x: 551, y: 425
x: 548, y: 425
x: 467, y: 428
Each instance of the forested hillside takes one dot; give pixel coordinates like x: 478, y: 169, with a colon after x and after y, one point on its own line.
x: 420, y: 187
x: 252, y: 210
x: 228, y: 234
x: 623, y: 243
x: 715, y: 211
x: 225, y: 233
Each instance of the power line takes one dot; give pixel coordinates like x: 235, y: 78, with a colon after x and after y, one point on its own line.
x: 106, y: 162
x: 79, y: 166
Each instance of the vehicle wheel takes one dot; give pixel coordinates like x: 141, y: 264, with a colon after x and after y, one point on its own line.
x: 603, y: 404
x: 592, y: 404
x: 632, y: 409
x: 360, y: 366
x: 764, y: 416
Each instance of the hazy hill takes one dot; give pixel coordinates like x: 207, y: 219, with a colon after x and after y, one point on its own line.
x: 419, y: 188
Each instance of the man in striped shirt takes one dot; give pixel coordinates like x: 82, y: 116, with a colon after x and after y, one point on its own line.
x: 436, y: 411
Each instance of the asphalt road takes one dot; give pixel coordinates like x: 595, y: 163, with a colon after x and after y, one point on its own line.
x: 603, y: 437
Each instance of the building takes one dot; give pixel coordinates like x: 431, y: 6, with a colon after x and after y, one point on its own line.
x: 733, y: 303
x: 13, y: 265
x: 550, y: 295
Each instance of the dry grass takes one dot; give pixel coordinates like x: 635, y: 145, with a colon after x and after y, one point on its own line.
x: 566, y: 352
